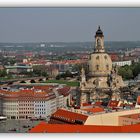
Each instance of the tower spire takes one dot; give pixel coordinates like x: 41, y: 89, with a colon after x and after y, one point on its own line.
x: 99, y: 40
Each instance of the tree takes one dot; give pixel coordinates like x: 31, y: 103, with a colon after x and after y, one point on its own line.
x: 45, y: 74
x: 126, y: 72
x: 58, y: 77
x: 3, y: 73
x: 68, y: 103
x: 136, y: 69
x: 32, y: 81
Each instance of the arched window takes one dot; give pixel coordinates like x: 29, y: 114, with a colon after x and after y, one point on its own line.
x: 97, y: 67
x: 105, y: 57
x: 98, y: 42
x: 97, y: 58
x: 107, y: 67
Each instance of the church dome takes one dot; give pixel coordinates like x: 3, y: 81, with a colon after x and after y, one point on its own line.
x: 100, y: 64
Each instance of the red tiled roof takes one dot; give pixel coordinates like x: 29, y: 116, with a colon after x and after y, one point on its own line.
x: 43, y: 127
x: 86, y: 104
x: 68, y: 115
x: 98, y: 103
x: 79, y: 61
x: 47, y: 88
x: 113, y: 104
x: 114, y: 57
x: 64, y: 91
x: 138, y: 100
x: 95, y: 109
x: 27, y: 94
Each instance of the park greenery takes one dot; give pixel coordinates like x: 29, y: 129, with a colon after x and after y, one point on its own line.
x: 129, y: 72
x: 68, y: 83
x: 64, y: 75
x: 3, y: 73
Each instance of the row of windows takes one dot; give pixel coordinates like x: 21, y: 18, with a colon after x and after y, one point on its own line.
x: 10, y: 106
x: 26, y: 108
x: 99, y: 57
x: 24, y: 101
x: 40, y: 109
x: 40, y: 112
x: 129, y: 122
x: 8, y: 113
x: 27, y: 101
x: 39, y: 102
x: 39, y: 105
x: 52, y: 103
x: 107, y: 67
x: 27, y: 112
x: 26, y: 105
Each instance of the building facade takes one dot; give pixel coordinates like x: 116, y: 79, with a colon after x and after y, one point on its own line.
x: 31, y: 103
x: 122, y: 63
x: 129, y: 119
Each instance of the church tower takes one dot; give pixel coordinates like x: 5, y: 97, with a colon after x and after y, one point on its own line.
x: 101, y: 77
x: 100, y: 63
x: 99, y: 41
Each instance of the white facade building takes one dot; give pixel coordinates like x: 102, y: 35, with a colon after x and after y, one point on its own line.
x: 31, y: 103
x: 44, y: 109
x: 122, y: 63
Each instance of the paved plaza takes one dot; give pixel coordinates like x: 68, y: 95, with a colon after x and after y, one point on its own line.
x: 17, y: 126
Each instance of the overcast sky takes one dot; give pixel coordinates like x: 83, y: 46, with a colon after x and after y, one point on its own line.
x: 68, y: 24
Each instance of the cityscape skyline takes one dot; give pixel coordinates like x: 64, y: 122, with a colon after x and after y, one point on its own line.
x: 42, y: 87
x: 68, y: 24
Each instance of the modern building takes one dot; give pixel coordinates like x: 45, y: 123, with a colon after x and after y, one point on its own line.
x: 18, y: 69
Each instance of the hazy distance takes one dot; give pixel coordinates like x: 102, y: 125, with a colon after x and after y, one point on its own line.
x: 68, y: 24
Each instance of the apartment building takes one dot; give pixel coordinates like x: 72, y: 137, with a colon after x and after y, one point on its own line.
x: 30, y: 103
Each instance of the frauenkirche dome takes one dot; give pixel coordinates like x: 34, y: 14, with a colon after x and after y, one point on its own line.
x: 100, y: 63
x: 102, y: 80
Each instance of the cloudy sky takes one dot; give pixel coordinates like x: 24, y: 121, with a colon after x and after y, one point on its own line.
x: 68, y: 24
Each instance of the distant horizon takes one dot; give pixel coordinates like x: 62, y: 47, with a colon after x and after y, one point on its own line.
x: 41, y: 42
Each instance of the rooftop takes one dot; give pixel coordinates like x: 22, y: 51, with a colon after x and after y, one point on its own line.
x: 132, y: 116
x: 34, y: 90
x: 69, y: 116
x: 138, y: 100
x: 95, y: 109
x: 113, y: 103
x: 43, y: 127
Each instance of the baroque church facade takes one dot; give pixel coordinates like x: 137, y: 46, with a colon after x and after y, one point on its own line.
x: 102, y: 79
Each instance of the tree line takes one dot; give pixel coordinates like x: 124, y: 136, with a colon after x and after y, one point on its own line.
x: 129, y: 72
